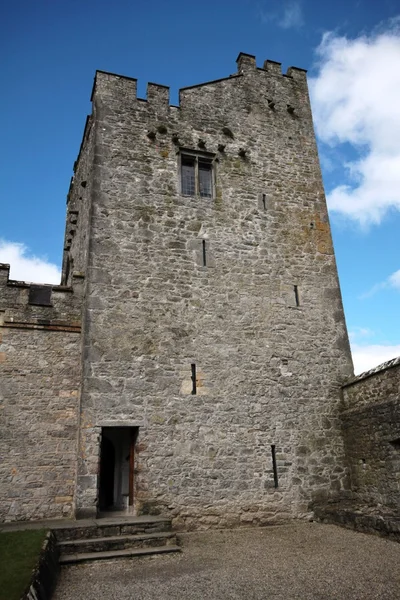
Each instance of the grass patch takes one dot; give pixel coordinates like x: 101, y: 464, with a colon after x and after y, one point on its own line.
x: 19, y: 552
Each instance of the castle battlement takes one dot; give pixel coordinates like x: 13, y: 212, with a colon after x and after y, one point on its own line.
x: 158, y: 95
x: 28, y: 305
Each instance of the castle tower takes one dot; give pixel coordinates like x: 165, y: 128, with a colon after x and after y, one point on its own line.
x: 214, y: 340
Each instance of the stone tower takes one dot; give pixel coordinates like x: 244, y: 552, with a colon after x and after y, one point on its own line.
x: 213, y: 338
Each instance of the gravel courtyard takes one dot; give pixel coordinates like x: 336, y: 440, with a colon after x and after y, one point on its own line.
x: 305, y: 561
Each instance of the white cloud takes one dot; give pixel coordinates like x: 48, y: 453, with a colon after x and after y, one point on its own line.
x: 24, y: 266
x: 393, y: 282
x: 356, y: 100
x: 292, y: 16
x: 360, y: 332
x: 370, y: 356
x: 366, y: 355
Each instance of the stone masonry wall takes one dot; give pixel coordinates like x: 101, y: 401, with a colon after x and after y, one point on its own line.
x: 39, y: 389
x: 269, y: 370
x: 371, y: 425
x: 76, y: 239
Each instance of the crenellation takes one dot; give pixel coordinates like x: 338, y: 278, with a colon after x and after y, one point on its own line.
x: 299, y: 75
x: 273, y: 67
x: 4, y: 274
x: 158, y: 96
x: 120, y: 83
x: 246, y: 63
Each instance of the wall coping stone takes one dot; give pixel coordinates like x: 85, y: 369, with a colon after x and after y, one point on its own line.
x: 393, y: 362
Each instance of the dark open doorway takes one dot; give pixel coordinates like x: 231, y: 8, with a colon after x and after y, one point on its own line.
x: 117, y: 460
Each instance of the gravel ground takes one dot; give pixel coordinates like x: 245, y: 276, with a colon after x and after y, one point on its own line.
x: 304, y: 561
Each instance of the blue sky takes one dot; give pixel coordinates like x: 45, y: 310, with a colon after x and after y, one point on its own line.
x: 50, y: 50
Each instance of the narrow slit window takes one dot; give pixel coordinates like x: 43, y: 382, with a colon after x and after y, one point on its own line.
x: 264, y: 201
x: 296, y: 295
x: 274, y: 467
x: 204, y: 253
x: 194, y: 386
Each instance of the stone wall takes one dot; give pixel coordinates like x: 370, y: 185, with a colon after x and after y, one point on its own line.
x: 77, y: 223
x: 45, y: 574
x: 269, y: 365
x: 39, y: 390
x: 371, y: 425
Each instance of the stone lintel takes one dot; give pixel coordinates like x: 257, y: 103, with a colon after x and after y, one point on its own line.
x: 122, y: 424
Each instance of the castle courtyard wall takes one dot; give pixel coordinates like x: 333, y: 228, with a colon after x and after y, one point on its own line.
x: 371, y: 425
x: 39, y: 395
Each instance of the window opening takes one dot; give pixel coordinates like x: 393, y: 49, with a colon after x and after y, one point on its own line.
x: 274, y: 465
x: 196, y: 176
x: 264, y: 201
x: 205, y: 185
x: 194, y: 386
x: 40, y: 295
x: 188, y: 176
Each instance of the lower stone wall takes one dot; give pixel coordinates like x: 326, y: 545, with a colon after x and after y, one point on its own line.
x: 373, y: 454
x: 45, y: 575
x: 371, y: 433
x: 362, y: 519
x: 371, y: 428
x: 38, y: 423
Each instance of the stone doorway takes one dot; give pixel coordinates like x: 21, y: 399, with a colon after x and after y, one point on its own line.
x: 117, y: 463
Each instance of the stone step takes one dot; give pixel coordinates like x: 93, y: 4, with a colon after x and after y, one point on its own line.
x: 78, y: 530
x: 116, y: 542
x: 69, y: 559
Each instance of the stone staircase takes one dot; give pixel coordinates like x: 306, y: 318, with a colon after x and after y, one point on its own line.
x: 111, y: 538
